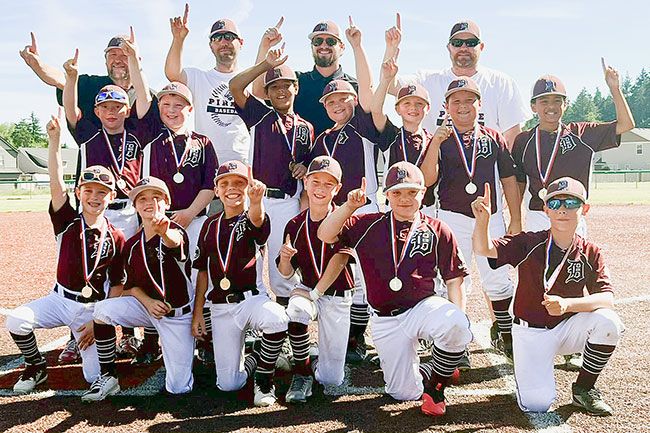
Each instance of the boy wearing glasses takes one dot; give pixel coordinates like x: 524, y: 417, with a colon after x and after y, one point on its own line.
x: 89, y: 268
x: 553, y: 315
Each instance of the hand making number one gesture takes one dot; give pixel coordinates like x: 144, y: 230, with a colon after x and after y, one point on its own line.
x: 287, y: 251
x: 611, y: 75
x: 353, y: 34
x: 482, y: 206
x: 272, y: 35
x: 179, y: 25
x: 357, y: 197
x: 393, y: 35
x: 276, y: 57
x: 71, y: 66
x: 256, y: 188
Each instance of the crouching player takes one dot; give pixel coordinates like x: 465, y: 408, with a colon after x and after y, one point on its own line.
x: 401, y: 253
x: 158, y: 282
x: 305, y: 253
x: 88, y: 261
x: 229, y: 245
x: 553, y: 316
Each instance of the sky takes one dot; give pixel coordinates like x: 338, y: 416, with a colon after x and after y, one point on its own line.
x: 522, y: 38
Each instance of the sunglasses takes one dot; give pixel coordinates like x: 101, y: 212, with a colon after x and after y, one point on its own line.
x: 227, y: 36
x: 89, y: 176
x: 111, y: 95
x: 329, y: 41
x: 569, y: 203
x: 469, y: 43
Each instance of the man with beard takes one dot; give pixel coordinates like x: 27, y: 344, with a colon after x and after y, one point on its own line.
x: 326, y: 48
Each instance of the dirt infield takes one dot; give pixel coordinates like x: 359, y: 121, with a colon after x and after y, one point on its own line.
x: 483, y: 401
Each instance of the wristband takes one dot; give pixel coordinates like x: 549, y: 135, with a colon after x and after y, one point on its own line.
x: 315, y: 294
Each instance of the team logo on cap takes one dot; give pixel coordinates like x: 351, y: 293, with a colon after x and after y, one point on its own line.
x: 401, y: 174
x: 324, y: 163
x: 320, y: 27
x: 463, y: 26
x: 232, y: 166
x: 462, y: 83
x: 219, y: 25
x: 410, y: 89
x: 550, y: 86
x: 562, y: 185
x: 575, y: 271
x: 172, y: 86
x: 144, y: 181
x: 331, y: 86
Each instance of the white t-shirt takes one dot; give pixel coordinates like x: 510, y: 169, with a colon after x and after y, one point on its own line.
x: 215, y: 115
x: 502, y: 106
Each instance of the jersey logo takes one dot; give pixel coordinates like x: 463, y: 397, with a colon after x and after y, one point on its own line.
x: 106, y: 248
x: 197, y: 253
x: 160, y: 254
x: 193, y: 158
x: 221, y: 106
x: 421, y: 243
x: 131, y: 150
x: 302, y: 134
x: 240, y: 228
x: 567, y: 144
x: 342, y: 138
x: 575, y: 271
x: 484, y: 147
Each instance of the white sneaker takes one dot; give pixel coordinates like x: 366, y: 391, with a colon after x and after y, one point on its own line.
x: 31, y: 377
x: 101, y: 388
x: 263, y: 399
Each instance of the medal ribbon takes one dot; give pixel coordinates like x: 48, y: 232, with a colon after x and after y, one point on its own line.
x: 292, y: 145
x: 116, y: 164
x: 459, y: 144
x: 424, y: 144
x: 179, y: 164
x: 412, y: 229
x: 84, y: 254
x: 310, y: 248
x: 225, y: 263
x: 336, y: 142
x: 538, y: 148
x: 548, y: 282
x: 160, y: 288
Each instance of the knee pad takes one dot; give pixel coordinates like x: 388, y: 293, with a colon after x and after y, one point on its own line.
x: 230, y: 380
x: 20, y: 321
x: 275, y: 318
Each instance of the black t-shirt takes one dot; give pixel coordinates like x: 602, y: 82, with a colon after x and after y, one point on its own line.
x: 87, y: 88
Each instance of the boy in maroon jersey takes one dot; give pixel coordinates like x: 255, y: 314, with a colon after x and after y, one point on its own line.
x: 553, y: 315
x: 308, y: 257
x: 89, y: 262
x: 227, y: 283
x: 402, y: 254
x: 157, y: 292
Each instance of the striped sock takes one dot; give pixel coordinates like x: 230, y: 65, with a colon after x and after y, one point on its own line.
x: 150, y: 340
x: 270, y: 350
x: 443, y: 364
x: 595, y: 358
x: 359, y: 316
x: 127, y: 332
x: 426, y: 370
x: 299, y: 339
x: 504, y: 319
x: 250, y: 364
x: 28, y: 347
x: 105, y: 342
x: 207, y: 316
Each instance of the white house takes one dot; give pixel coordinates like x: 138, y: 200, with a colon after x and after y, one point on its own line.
x: 632, y: 154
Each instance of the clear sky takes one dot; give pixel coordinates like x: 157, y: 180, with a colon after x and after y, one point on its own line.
x: 525, y: 39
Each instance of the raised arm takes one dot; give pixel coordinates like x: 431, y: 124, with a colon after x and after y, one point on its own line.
x: 393, y: 39
x: 54, y: 164
x: 173, y: 62
x: 624, y: 119
x: 70, y: 91
x: 331, y: 226
x: 139, y: 80
x: 256, y: 190
x: 482, y: 209
x: 48, y: 74
x: 513, y: 199
x: 240, y: 81
x: 430, y: 166
x: 364, y: 76
x: 388, y: 72
x: 270, y: 38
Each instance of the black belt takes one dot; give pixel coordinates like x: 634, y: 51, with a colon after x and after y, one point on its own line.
x: 392, y: 313
x: 119, y: 205
x: 73, y: 297
x: 169, y: 213
x: 525, y: 324
x: 275, y: 193
x: 236, y: 297
x: 181, y: 311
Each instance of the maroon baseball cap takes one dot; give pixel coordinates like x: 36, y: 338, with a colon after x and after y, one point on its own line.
x: 282, y: 72
x: 566, y: 186
x: 325, y: 28
x: 112, y: 93
x: 403, y: 175
x: 97, y: 174
x: 176, y: 88
x: 462, y: 83
x: 414, y: 90
x: 224, y: 25
x: 337, y: 86
x: 325, y: 164
x: 149, y: 183
x: 465, y: 26
x: 115, y: 42
x: 548, y: 85
x: 233, y: 167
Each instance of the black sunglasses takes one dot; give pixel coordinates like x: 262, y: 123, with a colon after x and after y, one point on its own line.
x: 569, y: 203
x: 470, y: 43
x: 227, y: 36
x: 329, y: 41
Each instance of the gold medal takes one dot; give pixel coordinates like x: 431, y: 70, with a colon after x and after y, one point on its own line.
x: 224, y: 283
x: 86, y: 292
x: 168, y: 305
x: 395, y: 284
x: 542, y: 193
x: 292, y: 165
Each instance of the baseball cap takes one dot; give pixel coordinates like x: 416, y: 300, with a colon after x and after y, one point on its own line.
x: 337, y: 86
x: 282, y: 72
x: 176, y: 88
x: 465, y: 26
x: 149, y: 183
x: 403, y: 175
x: 325, y: 164
x: 97, y: 174
x: 415, y: 90
x: 233, y: 167
x: 325, y: 28
x: 566, y: 186
x: 548, y: 85
x: 112, y: 93
x: 115, y: 42
x: 224, y: 25
x: 462, y: 83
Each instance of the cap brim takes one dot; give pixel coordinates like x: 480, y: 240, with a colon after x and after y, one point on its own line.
x: 172, y: 92
x: 458, y: 89
x: 312, y: 35
x: 119, y: 101
x: 221, y: 176
x: 309, y: 173
x: 404, y: 186
x: 412, y: 96
x: 295, y: 80
x: 133, y: 194
x: 98, y: 182
x: 548, y: 94
x: 464, y: 31
x: 324, y: 97
x: 224, y: 31
x: 550, y: 195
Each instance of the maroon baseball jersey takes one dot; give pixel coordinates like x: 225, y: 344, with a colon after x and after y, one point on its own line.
x: 401, y: 143
x: 576, y: 147
x: 272, y: 151
x: 493, y: 162
x: 69, y: 269
x: 194, y: 154
x: 245, y: 239
x: 584, y: 267
x: 307, y: 264
x: 143, y: 268
x: 432, y: 251
x: 353, y: 147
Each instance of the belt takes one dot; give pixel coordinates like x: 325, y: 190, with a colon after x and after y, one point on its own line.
x: 392, y: 313
x: 72, y: 295
x: 525, y: 324
x: 119, y: 205
x: 275, y: 193
x: 180, y: 311
x: 237, y: 297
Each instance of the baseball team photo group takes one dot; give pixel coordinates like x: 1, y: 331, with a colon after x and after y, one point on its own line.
x: 256, y: 248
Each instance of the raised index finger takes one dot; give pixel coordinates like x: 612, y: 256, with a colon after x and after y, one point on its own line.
x: 279, y: 24
x: 33, y: 40
x: 363, y: 184
x: 602, y: 62
x: 486, y: 193
x: 76, y: 56
x: 250, y: 175
x: 398, y: 21
x: 132, y: 35
x: 186, y: 13
x: 351, y: 21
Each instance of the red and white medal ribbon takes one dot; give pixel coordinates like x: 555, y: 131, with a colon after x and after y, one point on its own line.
x: 414, y: 225
x: 159, y: 287
x: 336, y: 142
x: 291, y: 145
x: 548, y: 282
x: 84, y: 254
x: 179, y: 163
x: 423, y: 148
x: 469, y: 168
x: 544, y: 176
x: 318, y: 268
x: 225, y: 263
x: 119, y: 167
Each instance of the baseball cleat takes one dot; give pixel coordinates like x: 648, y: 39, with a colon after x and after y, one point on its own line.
x: 128, y: 346
x: 355, y: 355
x: 70, y: 355
x: 101, y: 388
x: 464, y: 364
x: 590, y: 400
x: 147, y: 356
x: 300, y: 389
x: 573, y: 362
x: 205, y: 356
x: 263, y: 398
x: 433, y: 401
x: 455, y: 377
x: 32, y: 376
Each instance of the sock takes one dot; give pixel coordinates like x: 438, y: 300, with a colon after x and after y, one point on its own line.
x: 150, y: 342
x: 504, y: 319
x: 594, y: 359
x: 71, y: 336
x: 426, y: 370
x: 268, y: 355
x: 299, y: 339
x: 443, y: 365
x: 105, y: 342
x: 250, y: 364
x: 28, y: 347
x: 128, y: 332
x: 359, y: 316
